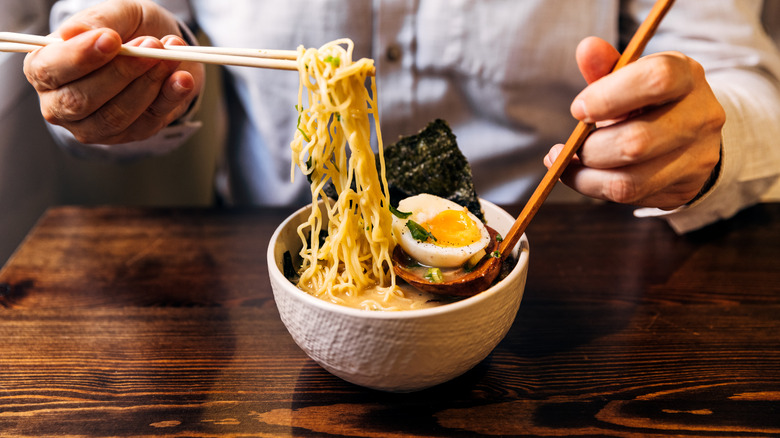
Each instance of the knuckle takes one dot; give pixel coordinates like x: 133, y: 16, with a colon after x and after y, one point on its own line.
x: 696, y: 68
x: 38, y: 75
x: 50, y: 116
x: 144, y: 69
x: 157, y: 112
x: 621, y: 188
x: 157, y: 75
x: 660, y: 77
x: 633, y: 142
x: 112, y: 119
x: 70, y: 104
x: 712, y: 119
x: 122, y: 71
x: 166, y: 108
x: 717, y: 119
x: 154, y: 122
x: 709, y: 160
x: 667, y: 74
x: 127, y: 71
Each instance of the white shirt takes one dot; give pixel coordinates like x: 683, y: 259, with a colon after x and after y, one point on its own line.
x: 501, y: 72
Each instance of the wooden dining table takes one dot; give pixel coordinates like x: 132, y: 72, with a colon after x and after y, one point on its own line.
x: 144, y: 322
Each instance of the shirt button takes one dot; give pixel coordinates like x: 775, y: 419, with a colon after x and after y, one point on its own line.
x: 393, y: 52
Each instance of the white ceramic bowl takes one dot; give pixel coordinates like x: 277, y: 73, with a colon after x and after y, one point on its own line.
x: 397, y: 351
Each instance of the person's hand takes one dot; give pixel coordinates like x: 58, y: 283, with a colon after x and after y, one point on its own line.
x: 658, y: 129
x: 103, y: 98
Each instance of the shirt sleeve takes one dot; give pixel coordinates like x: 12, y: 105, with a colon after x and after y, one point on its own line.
x: 743, y: 69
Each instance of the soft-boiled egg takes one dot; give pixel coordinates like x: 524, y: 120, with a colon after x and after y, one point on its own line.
x: 438, y: 232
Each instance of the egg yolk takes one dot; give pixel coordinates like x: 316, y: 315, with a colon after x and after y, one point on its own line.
x: 453, y: 228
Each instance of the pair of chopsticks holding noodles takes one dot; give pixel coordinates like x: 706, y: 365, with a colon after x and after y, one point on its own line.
x: 275, y: 59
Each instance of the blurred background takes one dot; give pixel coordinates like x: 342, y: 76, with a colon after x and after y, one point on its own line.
x: 36, y: 174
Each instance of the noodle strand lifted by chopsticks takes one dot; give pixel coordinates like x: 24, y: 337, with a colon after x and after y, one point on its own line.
x: 355, y: 255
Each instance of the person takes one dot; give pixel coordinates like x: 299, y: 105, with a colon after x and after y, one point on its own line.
x: 687, y: 131
x: 36, y: 174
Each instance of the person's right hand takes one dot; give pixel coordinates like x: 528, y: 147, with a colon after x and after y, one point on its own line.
x: 108, y: 99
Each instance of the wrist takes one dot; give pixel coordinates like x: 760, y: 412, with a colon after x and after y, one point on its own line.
x: 711, y: 180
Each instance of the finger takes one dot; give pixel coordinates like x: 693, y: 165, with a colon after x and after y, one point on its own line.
x: 595, y: 58
x: 78, y: 100
x: 665, y: 182
x: 637, y: 139
x: 181, y: 88
x: 174, y: 98
x: 174, y: 40
x: 653, y: 80
x: 552, y: 155
x: 123, y: 110
x: 57, y: 64
x: 172, y: 102
x: 693, y: 122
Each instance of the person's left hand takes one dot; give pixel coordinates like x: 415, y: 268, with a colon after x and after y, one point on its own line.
x: 659, y: 129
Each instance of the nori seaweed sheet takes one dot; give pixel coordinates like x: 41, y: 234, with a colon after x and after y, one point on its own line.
x: 431, y: 162
x: 428, y: 162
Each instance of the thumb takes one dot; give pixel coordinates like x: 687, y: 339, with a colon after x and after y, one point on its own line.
x: 595, y: 58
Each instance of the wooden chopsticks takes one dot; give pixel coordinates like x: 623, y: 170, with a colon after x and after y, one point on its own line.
x: 275, y: 59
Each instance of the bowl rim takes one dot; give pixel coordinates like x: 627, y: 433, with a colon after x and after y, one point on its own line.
x: 274, y: 271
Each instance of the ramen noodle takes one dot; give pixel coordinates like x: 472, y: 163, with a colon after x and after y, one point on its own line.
x: 347, y: 242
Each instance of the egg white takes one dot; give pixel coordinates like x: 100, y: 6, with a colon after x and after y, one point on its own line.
x: 422, y: 208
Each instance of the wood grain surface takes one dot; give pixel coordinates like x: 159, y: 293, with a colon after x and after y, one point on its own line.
x: 160, y: 322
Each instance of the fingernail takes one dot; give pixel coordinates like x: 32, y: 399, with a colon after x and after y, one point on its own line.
x: 580, y: 111
x: 182, y: 88
x: 172, y: 40
x: 149, y: 43
x: 106, y: 43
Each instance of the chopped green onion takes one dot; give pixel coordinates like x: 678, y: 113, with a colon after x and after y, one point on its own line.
x: 304, y: 135
x: 334, y: 61
x: 399, y: 214
x: 434, y: 275
x: 495, y: 254
x: 419, y: 233
x: 499, y: 238
x: 333, y: 162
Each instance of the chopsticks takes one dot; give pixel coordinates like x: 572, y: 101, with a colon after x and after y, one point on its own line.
x: 261, y: 58
x: 632, y: 52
